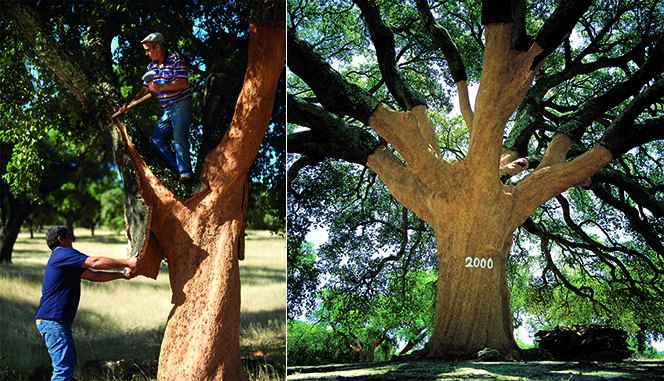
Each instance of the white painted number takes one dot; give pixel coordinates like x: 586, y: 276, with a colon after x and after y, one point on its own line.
x: 479, y: 262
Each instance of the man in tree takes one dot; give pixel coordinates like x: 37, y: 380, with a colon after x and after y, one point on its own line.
x: 171, y: 83
x: 61, y: 292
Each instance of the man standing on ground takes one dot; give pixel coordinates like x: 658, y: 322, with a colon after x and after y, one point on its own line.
x: 61, y: 292
x: 171, y: 82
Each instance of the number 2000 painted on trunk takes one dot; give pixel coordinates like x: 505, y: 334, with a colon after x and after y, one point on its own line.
x: 479, y: 263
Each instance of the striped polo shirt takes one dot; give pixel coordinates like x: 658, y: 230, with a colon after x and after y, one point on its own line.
x: 173, y: 67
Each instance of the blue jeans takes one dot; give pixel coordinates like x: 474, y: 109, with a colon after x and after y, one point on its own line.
x: 60, y: 343
x: 175, y: 122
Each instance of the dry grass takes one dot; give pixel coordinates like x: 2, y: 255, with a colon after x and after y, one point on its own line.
x: 126, y: 319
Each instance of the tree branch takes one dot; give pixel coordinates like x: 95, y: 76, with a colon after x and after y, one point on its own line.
x: 642, y: 196
x: 591, y: 109
x: 548, y: 181
x: 639, y: 225
x: 444, y: 42
x: 624, y: 133
x: 330, y: 128
x: 403, y: 131
x: 404, y: 186
x: 333, y: 91
x: 383, y: 40
x: 558, y: 26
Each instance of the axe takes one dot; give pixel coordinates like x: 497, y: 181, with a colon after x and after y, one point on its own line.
x: 147, y: 77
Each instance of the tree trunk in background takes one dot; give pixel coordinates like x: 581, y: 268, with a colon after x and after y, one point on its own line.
x: 17, y: 215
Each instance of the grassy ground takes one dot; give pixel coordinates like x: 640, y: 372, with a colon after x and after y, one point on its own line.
x: 126, y: 319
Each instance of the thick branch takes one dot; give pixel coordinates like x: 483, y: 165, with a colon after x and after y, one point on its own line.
x: 330, y: 128
x: 505, y: 79
x: 402, y: 130
x: 549, y: 181
x: 404, y: 186
x: 311, y: 144
x: 444, y: 42
x: 558, y: 27
x: 239, y: 146
x: 556, y: 152
x: 334, y: 92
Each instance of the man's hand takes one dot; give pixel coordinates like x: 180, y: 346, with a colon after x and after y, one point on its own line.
x: 154, y: 87
x: 143, y: 92
x: 134, y: 263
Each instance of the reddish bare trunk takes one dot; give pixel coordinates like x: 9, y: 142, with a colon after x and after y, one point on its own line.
x: 203, y: 237
x: 202, y: 336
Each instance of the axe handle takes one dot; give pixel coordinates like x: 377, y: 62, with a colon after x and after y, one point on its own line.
x: 129, y: 107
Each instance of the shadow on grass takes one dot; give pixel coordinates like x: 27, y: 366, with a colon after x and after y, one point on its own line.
x: 256, y: 275
x: 32, y: 273
x: 433, y: 370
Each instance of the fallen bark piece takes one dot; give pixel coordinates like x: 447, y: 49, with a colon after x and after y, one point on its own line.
x: 585, y: 342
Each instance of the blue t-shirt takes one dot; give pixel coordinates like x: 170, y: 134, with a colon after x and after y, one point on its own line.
x: 61, y: 289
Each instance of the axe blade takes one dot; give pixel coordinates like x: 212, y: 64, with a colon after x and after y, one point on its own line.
x: 149, y: 76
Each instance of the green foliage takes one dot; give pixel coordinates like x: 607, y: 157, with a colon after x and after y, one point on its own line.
x: 385, y: 279
x: 313, y: 345
x: 43, y: 123
x: 112, y: 207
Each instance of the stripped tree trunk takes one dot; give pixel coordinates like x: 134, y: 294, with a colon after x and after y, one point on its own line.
x: 471, y: 211
x: 203, y: 237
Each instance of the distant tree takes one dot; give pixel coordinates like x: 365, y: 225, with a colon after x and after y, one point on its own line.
x: 112, y: 209
x: 312, y: 344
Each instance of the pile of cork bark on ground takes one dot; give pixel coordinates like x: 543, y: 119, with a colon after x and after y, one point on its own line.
x: 588, y: 342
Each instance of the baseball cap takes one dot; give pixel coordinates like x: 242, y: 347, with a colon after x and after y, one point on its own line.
x: 154, y: 37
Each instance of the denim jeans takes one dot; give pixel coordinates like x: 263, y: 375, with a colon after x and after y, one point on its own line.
x: 175, y: 122
x: 60, y: 343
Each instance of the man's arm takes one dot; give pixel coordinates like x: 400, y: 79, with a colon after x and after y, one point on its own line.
x: 105, y: 263
x: 177, y: 84
x: 100, y: 276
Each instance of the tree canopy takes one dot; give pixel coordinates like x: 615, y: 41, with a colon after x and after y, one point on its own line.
x: 593, y: 253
